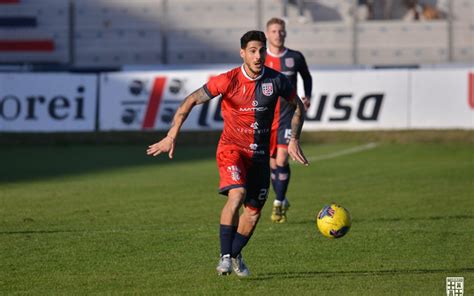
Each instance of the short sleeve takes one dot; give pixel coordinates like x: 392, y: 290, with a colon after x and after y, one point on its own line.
x: 216, y: 85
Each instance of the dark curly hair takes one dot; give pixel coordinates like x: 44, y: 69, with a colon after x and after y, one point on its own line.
x: 252, y: 36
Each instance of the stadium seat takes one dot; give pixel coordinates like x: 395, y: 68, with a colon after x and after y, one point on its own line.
x: 463, y: 42
x: 34, y: 32
x: 194, y: 40
x: 324, y: 43
x: 463, y: 10
x: 114, y: 33
x: 401, y: 43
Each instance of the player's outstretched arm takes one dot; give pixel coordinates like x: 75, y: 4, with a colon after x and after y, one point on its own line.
x: 166, y: 145
x: 294, y: 148
x: 307, y: 83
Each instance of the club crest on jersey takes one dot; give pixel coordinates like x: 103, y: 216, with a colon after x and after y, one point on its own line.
x: 290, y: 62
x: 267, y: 89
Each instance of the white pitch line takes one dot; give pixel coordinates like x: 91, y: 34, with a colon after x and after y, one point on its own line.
x: 344, y: 152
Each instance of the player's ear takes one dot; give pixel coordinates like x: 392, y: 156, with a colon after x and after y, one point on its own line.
x: 242, y: 53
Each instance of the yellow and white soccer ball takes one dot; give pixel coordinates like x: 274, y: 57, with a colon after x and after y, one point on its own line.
x: 333, y: 221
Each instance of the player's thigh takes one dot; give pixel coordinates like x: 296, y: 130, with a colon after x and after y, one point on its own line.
x: 236, y: 195
x: 273, y: 144
x: 273, y: 162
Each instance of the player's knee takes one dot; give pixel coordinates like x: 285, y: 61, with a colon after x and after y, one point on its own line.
x: 232, y: 206
x: 235, y: 198
x: 282, y: 161
x: 253, y: 219
x: 273, y: 163
x: 252, y: 215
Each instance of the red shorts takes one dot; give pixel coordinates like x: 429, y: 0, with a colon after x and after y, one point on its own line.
x: 237, y: 169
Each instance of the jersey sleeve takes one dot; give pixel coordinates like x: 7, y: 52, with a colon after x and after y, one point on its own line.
x: 307, y: 79
x: 216, y: 85
x: 286, y: 90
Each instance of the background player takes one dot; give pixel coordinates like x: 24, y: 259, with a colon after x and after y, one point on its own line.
x: 288, y: 62
x: 249, y: 97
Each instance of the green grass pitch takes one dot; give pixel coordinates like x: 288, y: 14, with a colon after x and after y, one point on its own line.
x: 110, y: 220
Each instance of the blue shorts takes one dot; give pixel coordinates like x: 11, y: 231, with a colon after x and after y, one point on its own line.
x: 281, y: 127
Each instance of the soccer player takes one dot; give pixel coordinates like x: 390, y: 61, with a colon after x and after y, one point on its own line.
x: 290, y: 63
x: 249, y: 97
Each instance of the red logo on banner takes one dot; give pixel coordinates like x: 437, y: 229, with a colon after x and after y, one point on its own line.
x: 471, y: 90
x: 154, y: 103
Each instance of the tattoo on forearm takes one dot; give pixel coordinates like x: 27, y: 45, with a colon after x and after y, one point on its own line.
x: 180, y: 117
x: 200, y: 96
x: 297, y: 121
x: 197, y: 97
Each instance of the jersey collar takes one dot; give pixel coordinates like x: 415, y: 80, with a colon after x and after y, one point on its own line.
x: 248, y: 77
x: 277, y: 55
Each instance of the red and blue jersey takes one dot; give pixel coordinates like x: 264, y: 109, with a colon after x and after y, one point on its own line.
x: 289, y: 62
x: 248, y: 108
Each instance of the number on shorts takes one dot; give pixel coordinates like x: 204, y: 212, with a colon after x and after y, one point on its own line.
x: 263, y: 194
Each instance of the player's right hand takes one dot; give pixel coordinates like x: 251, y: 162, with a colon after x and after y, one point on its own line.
x: 295, y: 152
x: 165, y: 145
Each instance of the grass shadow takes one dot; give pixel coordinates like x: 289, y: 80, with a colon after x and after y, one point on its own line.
x: 30, y: 163
x: 356, y: 273
x: 397, y: 219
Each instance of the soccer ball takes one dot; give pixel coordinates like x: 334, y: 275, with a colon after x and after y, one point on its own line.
x: 333, y: 221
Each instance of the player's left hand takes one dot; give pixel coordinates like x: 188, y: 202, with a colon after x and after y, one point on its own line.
x: 306, y: 102
x: 165, y: 145
x: 295, y: 152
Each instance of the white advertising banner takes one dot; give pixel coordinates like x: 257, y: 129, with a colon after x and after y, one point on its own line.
x: 442, y: 99
x: 342, y: 100
x: 44, y: 102
x: 148, y: 100
x: 358, y: 100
